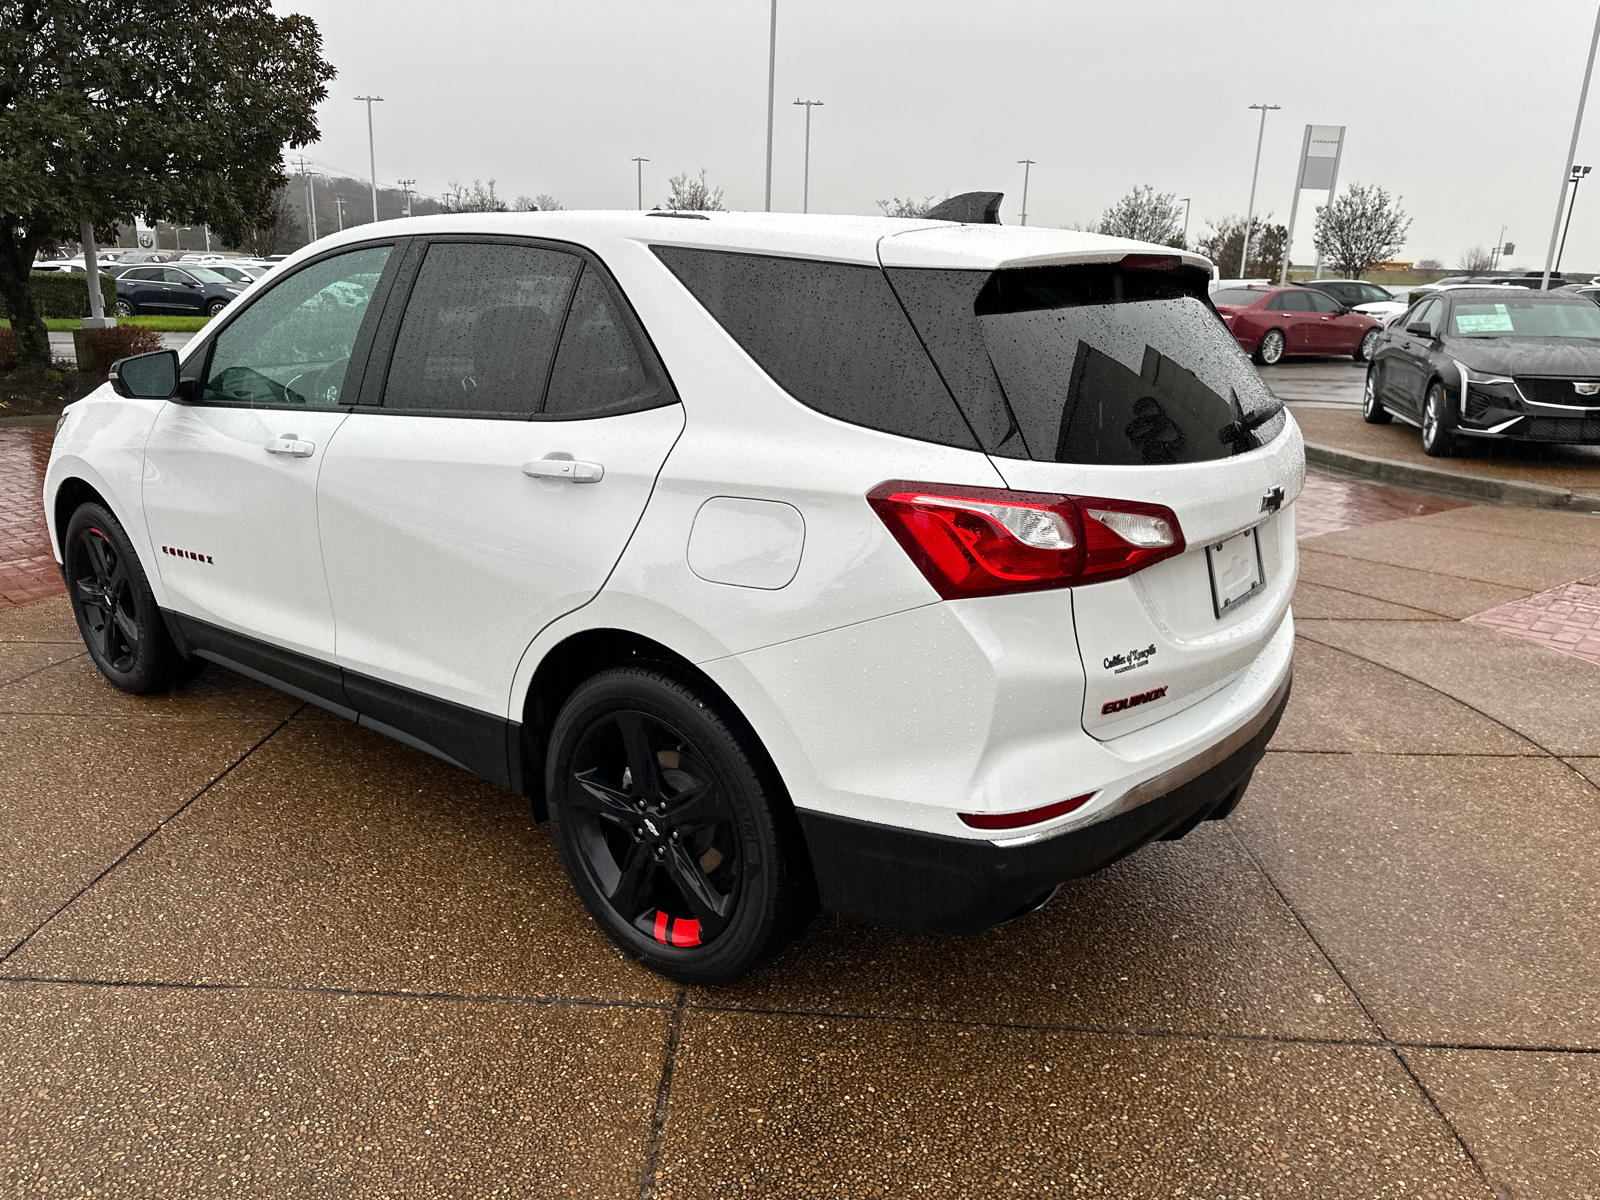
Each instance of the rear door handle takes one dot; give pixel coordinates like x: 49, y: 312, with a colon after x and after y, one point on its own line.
x: 564, y: 468
x: 291, y: 446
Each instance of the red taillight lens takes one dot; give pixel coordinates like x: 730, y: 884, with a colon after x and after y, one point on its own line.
x: 1017, y: 820
x: 989, y: 541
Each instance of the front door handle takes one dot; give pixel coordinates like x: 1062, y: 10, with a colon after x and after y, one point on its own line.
x: 564, y: 468
x: 290, y: 445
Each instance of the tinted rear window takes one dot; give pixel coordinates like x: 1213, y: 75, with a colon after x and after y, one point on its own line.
x: 1093, y: 364
x: 1240, y: 296
x: 832, y: 335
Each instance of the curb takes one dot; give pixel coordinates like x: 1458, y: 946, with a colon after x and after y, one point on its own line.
x: 1456, y: 484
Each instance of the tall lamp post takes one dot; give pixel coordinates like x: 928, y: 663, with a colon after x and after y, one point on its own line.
x: 406, y: 184
x: 372, y: 158
x: 1578, y: 174
x: 1185, y: 200
x: 639, y: 166
x: 1027, y: 165
x: 1250, y: 213
x: 1572, y: 150
x: 772, y: 83
x: 805, y: 194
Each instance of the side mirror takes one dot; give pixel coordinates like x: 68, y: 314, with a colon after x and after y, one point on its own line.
x: 1420, y: 329
x: 151, y: 376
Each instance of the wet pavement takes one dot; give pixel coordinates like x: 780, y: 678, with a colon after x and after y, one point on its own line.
x: 249, y: 949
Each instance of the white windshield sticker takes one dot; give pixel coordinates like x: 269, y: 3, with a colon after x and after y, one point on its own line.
x: 1498, y: 321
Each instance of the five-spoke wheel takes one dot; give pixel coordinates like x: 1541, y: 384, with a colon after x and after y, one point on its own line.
x: 1269, y: 350
x: 673, y: 828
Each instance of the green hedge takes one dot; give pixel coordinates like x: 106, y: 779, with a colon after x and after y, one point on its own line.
x: 66, y: 294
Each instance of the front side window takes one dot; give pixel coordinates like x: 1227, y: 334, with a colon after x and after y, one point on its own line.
x: 832, y: 335
x: 1321, y: 302
x: 293, y: 344
x: 1428, y: 315
x: 480, y: 330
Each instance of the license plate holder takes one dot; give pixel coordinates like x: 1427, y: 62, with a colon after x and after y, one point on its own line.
x: 1236, y: 571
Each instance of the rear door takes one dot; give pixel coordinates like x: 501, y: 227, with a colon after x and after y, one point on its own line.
x: 1329, y: 333
x: 1123, y: 385
x: 511, y: 429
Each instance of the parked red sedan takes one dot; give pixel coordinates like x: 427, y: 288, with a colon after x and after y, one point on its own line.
x: 1272, y: 322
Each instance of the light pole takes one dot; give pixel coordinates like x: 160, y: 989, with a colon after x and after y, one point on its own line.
x: 639, y: 164
x: 339, y: 202
x: 1027, y: 165
x: 1250, y: 213
x: 1185, y: 200
x: 311, y: 200
x: 406, y: 183
x: 1577, y: 177
x: 805, y: 194
x: 772, y: 83
x: 1572, y: 150
x: 1498, y: 246
x: 372, y: 158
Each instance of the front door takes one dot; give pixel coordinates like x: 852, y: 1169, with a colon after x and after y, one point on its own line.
x: 1327, y: 333
x: 230, y: 479
x: 1406, y: 371
x: 452, y: 530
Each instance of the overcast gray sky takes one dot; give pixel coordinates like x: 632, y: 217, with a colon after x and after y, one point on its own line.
x: 1463, y: 107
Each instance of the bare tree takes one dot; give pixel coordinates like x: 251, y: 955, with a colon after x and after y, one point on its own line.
x: 909, y: 207
x: 1359, y: 228
x: 477, y: 198
x: 283, y: 228
x: 1428, y: 264
x: 1477, y: 260
x: 1224, y: 242
x: 524, y: 204
x: 1145, y: 215
x: 547, y: 203
x: 689, y: 194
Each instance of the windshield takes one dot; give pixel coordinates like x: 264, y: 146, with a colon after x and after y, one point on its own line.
x: 1534, y: 317
x: 1239, y: 296
x: 1092, y: 364
x: 207, y: 275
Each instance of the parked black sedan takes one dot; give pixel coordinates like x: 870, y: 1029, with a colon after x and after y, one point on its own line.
x: 168, y: 289
x: 1469, y: 363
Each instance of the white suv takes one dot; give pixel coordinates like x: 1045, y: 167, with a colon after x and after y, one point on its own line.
x: 905, y: 568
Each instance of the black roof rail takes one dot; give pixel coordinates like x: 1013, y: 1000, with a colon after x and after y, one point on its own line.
x: 971, y: 208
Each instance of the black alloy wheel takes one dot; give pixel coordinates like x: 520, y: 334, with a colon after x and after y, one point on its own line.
x: 1372, y: 410
x: 1368, y: 346
x: 1269, y: 350
x: 673, y: 829
x: 114, y: 607
x: 1438, y: 423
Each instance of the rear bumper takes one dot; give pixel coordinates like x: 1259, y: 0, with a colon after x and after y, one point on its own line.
x: 888, y: 875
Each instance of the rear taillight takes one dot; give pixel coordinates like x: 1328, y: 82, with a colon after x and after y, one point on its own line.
x: 973, y: 541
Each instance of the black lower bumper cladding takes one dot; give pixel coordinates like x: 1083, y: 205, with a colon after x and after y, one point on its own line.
x: 940, y: 884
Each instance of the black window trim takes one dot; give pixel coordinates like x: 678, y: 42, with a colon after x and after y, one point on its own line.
x: 194, y: 373
x: 387, y: 330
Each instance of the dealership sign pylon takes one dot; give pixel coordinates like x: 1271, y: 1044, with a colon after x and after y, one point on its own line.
x: 1320, y: 152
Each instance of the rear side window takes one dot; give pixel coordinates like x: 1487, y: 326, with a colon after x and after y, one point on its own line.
x: 1240, y: 296
x: 599, y: 370
x: 832, y: 335
x: 480, y: 330
x: 1096, y: 365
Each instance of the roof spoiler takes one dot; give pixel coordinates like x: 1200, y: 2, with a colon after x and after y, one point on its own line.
x: 972, y: 208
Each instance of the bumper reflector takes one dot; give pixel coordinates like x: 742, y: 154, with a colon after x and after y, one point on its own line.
x: 1032, y: 816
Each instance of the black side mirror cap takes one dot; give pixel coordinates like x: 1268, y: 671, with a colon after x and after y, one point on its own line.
x: 1418, y: 329
x: 152, y: 376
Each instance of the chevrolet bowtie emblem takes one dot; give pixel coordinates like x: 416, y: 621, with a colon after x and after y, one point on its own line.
x: 1273, y: 500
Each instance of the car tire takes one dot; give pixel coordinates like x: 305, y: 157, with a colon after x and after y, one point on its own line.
x: 1369, y: 344
x: 116, y: 612
x: 125, y: 308
x: 673, y: 826
x: 215, y: 307
x: 1269, y: 350
x: 1372, y: 410
x: 1438, y: 423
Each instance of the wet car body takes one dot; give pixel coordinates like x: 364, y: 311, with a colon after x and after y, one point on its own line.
x: 1274, y: 323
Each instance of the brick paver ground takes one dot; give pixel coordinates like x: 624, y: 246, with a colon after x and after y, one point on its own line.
x: 1565, y: 618
x: 27, y: 567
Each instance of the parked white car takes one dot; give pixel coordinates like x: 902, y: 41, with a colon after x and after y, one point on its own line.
x: 901, y: 567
